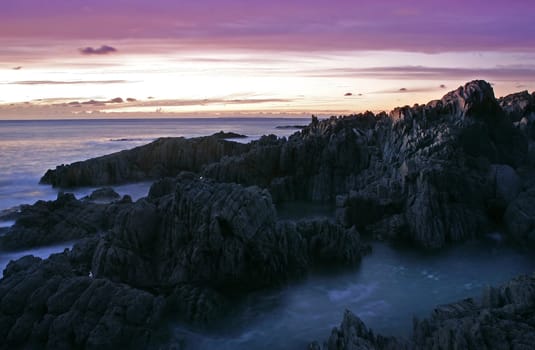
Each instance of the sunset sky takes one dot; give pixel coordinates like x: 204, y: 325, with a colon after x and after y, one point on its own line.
x: 74, y: 58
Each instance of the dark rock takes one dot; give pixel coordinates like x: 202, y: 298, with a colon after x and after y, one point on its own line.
x: 161, y: 158
x: 428, y: 174
x: 354, y: 335
x: 228, y: 135
x: 502, y: 319
x: 220, y: 236
x: 104, y: 195
x: 286, y: 127
x: 519, y: 218
x: 518, y: 105
x: 53, y: 303
x: 61, y: 220
x: 180, y: 254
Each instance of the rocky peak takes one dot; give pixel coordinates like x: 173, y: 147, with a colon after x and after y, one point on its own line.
x: 475, y: 99
x: 518, y: 105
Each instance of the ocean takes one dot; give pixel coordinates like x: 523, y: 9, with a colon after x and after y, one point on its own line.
x: 386, y: 290
x: 29, y: 148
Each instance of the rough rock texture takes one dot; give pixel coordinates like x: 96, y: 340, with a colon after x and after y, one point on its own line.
x: 63, y: 219
x: 354, y: 335
x: 56, y: 304
x: 428, y: 174
x: 184, y: 253
x: 161, y: 158
x: 519, y: 217
x: 104, y: 195
x: 222, y: 236
x: 504, y: 318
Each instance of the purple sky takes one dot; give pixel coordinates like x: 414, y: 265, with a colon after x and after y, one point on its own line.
x: 426, y: 26
x: 234, y: 56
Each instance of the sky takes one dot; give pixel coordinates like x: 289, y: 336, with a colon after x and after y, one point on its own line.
x: 134, y: 58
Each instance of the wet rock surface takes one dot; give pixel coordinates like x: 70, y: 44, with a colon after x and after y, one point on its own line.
x: 184, y: 253
x: 503, y: 318
x: 426, y: 175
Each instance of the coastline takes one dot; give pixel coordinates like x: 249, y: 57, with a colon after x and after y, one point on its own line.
x: 415, y: 176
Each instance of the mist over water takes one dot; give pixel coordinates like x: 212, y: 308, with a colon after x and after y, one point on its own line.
x: 29, y: 148
x: 41, y: 252
x: 386, y: 291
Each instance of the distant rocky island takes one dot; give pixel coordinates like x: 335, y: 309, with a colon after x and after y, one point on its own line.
x: 425, y: 176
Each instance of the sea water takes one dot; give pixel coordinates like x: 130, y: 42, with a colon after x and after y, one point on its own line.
x: 387, y: 290
x: 29, y: 148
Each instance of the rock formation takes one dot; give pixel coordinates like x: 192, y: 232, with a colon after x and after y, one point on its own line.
x: 161, y: 158
x: 64, y: 219
x: 502, y: 319
x: 185, y: 252
x: 429, y: 174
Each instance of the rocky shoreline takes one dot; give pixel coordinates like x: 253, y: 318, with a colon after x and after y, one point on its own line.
x: 502, y: 318
x: 428, y: 176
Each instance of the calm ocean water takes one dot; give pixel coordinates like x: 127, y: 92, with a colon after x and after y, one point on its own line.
x: 29, y: 148
x: 386, y: 291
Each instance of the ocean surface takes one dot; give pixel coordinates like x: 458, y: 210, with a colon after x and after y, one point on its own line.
x: 29, y: 148
x: 387, y: 290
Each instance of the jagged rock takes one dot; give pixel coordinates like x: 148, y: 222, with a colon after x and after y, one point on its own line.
x: 54, y: 304
x: 518, y: 105
x: 161, y: 158
x: 433, y: 174
x: 104, y: 195
x: 181, y: 253
x: 519, y: 218
x: 354, y: 335
x: 220, y: 236
x: 504, y: 318
x: 64, y: 219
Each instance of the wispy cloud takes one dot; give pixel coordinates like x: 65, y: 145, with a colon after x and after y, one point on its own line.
x: 103, y: 50
x: 430, y: 73
x: 66, y: 82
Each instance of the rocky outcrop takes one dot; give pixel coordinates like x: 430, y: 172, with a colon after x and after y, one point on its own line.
x: 315, y: 164
x: 518, y: 106
x: 61, y: 220
x: 161, y: 158
x: 185, y: 253
x: 103, y: 195
x: 354, y: 335
x: 221, y: 236
x: 428, y: 174
x: 502, y: 319
x: 56, y: 303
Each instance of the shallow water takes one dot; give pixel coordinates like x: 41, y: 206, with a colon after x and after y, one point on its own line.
x: 41, y: 252
x: 386, y: 291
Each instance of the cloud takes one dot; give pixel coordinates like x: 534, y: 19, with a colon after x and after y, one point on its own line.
x: 103, y: 50
x: 523, y: 73
x: 60, y: 82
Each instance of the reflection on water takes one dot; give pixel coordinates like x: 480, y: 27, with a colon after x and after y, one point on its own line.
x: 386, y: 291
